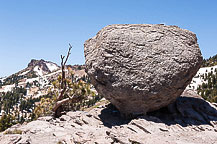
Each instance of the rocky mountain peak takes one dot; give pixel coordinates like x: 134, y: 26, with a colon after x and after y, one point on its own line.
x: 35, y: 62
x: 42, y: 66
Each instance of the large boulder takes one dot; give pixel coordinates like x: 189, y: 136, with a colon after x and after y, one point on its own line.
x: 141, y: 67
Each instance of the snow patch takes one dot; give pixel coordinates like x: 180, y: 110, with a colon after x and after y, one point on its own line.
x: 50, y: 74
x: 2, y: 79
x: 32, y: 80
x: 7, y: 88
x: 52, y: 67
x: 38, y: 70
x: 25, y: 72
x: 198, y: 79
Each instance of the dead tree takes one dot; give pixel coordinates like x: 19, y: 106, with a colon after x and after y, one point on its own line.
x: 63, y: 86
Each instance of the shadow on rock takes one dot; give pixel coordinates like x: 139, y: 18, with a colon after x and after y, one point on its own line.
x: 188, y: 109
x: 110, y: 116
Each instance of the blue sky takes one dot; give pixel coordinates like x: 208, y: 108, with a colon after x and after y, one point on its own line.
x: 42, y: 29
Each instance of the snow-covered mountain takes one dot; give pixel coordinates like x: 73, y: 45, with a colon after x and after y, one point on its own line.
x: 35, y: 72
x: 199, y: 78
x: 33, y: 83
x: 40, y: 67
x: 38, y: 76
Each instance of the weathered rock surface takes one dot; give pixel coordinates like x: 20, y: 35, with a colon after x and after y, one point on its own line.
x: 141, y: 67
x: 189, y: 119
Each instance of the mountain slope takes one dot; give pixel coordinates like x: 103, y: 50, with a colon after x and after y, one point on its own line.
x: 212, y: 61
x: 36, y: 68
x: 205, y: 81
x: 21, y: 92
x: 201, y: 77
x: 39, y: 73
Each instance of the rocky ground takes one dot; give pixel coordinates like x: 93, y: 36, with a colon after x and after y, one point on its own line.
x: 189, y: 119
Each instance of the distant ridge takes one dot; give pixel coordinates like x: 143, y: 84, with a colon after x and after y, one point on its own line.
x: 212, y: 61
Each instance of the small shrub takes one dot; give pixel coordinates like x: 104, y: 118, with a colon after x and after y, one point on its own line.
x: 15, y: 131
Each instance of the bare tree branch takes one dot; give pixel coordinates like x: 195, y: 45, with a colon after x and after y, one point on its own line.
x: 60, y: 100
x: 61, y: 94
x: 59, y: 103
x: 70, y: 47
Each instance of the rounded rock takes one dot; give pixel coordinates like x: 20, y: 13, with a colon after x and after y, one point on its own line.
x: 141, y: 67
